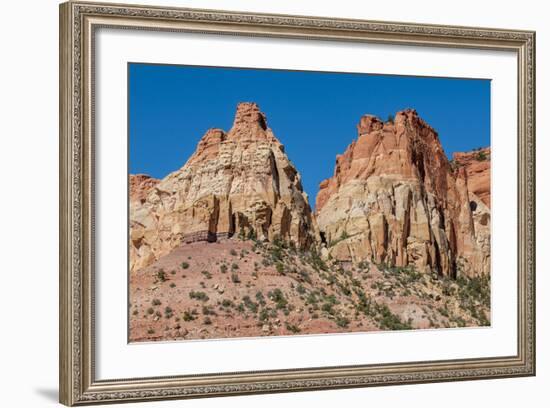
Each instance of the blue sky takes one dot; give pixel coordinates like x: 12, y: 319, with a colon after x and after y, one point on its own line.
x: 314, y: 114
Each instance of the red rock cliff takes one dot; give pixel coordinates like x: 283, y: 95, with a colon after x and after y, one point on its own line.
x: 477, y: 164
x: 394, y: 198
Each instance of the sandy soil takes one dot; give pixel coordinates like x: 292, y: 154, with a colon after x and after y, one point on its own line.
x: 235, y: 288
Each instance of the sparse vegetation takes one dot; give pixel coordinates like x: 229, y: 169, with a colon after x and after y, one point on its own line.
x: 187, y: 316
x: 168, y: 312
x: 342, y: 321
x: 279, y: 266
x: 292, y: 328
x: 203, y: 297
x: 278, y: 297
x: 227, y: 303
x: 184, y: 265
x: 308, y: 287
x: 249, y: 304
x: 260, y: 298
x: 208, y: 310
x: 161, y: 275
x: 264, y: 315
x: 390, y: 321
x: 455, y: 165
x: 481, y: 156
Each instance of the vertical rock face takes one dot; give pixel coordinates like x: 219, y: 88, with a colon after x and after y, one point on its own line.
x: 394, y: 198
x: 477, y: 164
x: 239, y: 182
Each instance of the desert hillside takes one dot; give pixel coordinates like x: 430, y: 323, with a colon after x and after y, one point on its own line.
x: 244, y: 288
x: 228, y: 246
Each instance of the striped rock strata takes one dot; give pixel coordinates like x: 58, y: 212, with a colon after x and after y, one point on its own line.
x: 395, y: 199
x: 236, y: 183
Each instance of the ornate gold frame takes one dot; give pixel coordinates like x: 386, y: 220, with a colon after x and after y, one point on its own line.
x: 78, y: 20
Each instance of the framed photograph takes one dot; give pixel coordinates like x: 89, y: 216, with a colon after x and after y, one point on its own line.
x: 256, y: 203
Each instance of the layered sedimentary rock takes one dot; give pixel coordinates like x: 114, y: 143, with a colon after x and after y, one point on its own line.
x: 140, y: 186
x: 236, y: 183
x: 477, y: 164
x: 395, y: 199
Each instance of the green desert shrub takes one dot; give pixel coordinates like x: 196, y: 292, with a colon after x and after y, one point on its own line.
x: 207, y: 310
x: 227, y: 303
x: 264, y: 315
x: 342, y: 321
x: 187, y: 316
x: 260, y: 298
x: 292, y: 328
x: 278, y: 297
x: 390, y: 321
x: 168, y: 312
x: 198, y: 296
x: 161, y: 275
x: 481, y: 156
x: 250, y: 304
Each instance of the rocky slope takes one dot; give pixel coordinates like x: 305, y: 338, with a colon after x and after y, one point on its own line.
x: 395, y: 199
x: 243, y: 288
x: 239, y: 183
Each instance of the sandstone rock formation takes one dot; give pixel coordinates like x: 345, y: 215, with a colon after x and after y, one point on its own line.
x: 140, y: 186
x: 395, y: 199
x: 236, y: 183
x: 477, y: 164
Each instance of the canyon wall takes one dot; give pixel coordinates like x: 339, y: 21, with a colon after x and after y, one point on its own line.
x: 395, y: 199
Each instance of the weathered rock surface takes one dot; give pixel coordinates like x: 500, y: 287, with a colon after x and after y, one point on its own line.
x: 477, y: 164
x: 236, y: 183
x: 395, y: 199
x: 140, y: 186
